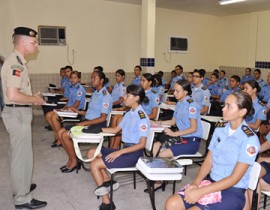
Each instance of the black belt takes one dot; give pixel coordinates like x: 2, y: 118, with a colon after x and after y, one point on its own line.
x: 18, y: 105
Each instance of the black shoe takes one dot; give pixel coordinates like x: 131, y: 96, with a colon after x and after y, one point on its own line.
x: 105, y: 188
x: 105, y: 206
x: 162, y: 186
x: 63, y: 167
x: 33, y: 187
x: 33, y: 204
x: 67, y: 170
x: 54, y: 144
x: 48, y: 127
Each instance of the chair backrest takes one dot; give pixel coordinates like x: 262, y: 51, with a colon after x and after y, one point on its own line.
x: 206, y: 129
x: 254, y: 176
x: 108, y: 120
x: 149, y: 140
x: 209, y: 108
x: 158, y: 112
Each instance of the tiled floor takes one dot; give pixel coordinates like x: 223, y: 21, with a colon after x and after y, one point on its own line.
x: 72, y: 191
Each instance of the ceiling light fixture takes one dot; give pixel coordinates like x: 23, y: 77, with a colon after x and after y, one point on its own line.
x: 224, y: 2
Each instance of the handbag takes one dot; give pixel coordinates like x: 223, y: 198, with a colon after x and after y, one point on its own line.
x: 168, y: 142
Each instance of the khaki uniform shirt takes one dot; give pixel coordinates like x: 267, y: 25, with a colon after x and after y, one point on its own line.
x: 14, y: 74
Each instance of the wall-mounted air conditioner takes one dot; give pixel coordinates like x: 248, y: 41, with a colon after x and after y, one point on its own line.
x: 52, y: 35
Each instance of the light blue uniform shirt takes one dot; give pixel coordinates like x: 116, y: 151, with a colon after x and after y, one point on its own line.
x: 201, y: 95
x: 265, y: 93
x: 205, y: 81
x: 135, y: 125
x: 175, y: 79
x: 153, y: 101
x: 62, y: 82
x: 184, y: 111
x: 160, y: 91
x: 260, y: 112
x: 261, y: 83
x: 228, y: 92
x: 136, y: 81
x: 101, y: 102
x: 223, y: 82
x: 119, y: 90
x: 76, y: 93
x: 242, y: 146
x: 268, y: 137
x: 268, y: 104
x: 246, y: 78
x: 68, y: 84
x: 215, y: 89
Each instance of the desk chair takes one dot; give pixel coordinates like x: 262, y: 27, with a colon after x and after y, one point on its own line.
x: 113, y: 171
x: 206, y: 129
x: 253, y: 184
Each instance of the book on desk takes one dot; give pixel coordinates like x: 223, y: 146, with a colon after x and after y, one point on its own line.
x: 65, y: 113
x: 160, y: 165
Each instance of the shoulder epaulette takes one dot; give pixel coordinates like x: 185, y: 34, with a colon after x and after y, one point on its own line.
x: 141, y: 114
x: 261, y: 102
x: 221, y: 124
x: 104, y: 92
x: 204, y: 88
x: 19, y: 60
x: 247, y: 130
x: 153, y: 91
x: 190, y: 100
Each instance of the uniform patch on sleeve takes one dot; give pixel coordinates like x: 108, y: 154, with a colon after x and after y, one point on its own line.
x: 206, y: 98
x: 79, y: 93
x: 143, y: 127
x: 16, y: 72
x: 264, y: 112
x: 106, y: 105
x: 192, y: 110
x: 141, y: 114
x: 247, y: 130
x: 157, y: 100
x: 251, y: 150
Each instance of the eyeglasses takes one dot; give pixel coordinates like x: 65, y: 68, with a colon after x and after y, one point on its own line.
x: 196, y: 76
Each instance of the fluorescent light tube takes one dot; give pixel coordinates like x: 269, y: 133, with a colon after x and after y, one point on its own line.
x: 224, y: 2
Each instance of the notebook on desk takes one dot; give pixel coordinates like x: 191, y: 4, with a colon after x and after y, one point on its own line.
x: 160, y: 165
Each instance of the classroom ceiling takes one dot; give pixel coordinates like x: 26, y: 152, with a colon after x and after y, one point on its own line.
x: 209, y: 7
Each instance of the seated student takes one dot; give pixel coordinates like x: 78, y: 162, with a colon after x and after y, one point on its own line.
x: 137, y: 73
x: 265, y: 92
x: 234, y: 87
x: 223, y: 81
x: 190, y: 79
x: 252, y: 88
x: 76, y: 100
x: 265, y: 126
x: 169, y: 83
x: 232, y: 152
x: 135, y: 126
x: 205, y: 79
x: 188, y: 121
x: 200, y: 94
x: 257, y: 77
x: 119, y: 89
x: 214, y: 87
x: 179, y: 76
x: 107, y: 84
x: 246, y: 77
x: 67, y: 83
x: 150, y: 106
x: 95, y: 116
x: 162, y: 80
x: 158, y: 87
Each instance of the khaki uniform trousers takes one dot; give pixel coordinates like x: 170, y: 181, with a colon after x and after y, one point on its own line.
x: 18, y: 124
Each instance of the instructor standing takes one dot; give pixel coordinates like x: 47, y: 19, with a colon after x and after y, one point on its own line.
x: 17, y: 116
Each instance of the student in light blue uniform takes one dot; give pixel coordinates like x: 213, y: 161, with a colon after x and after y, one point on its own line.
x: 214, y: 87
x: 151, y: 102
x: 76, y: 100
x: 137, y: 78
x: 246, y: 77
x: 158, y: 87
x: 200, y: 94
x: 135, y: 127
x: 265, y: 92
x: 179, y: 76
x: 234, y: 87
x: 252, y: 88
x: 67, y: 82
x: 95, y: 118
x: 188, y: 121
x: 232, y: 153
x: 223, y: 81
x: 257, y: 77
x: 119, y: 89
